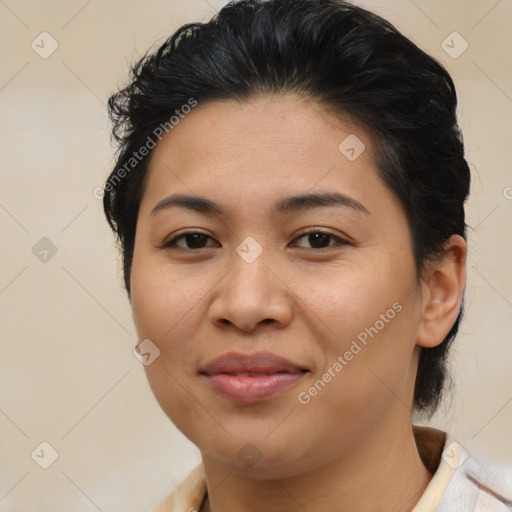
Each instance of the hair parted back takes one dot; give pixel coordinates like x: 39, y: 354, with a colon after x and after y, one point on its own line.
x: 351, y: 61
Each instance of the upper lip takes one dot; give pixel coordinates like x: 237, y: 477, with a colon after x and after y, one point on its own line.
x: 259, y: 362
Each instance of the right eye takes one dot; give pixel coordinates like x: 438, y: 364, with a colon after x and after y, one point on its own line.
x: 193, y: 239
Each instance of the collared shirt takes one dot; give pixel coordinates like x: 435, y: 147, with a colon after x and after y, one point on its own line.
x: 459, y: 482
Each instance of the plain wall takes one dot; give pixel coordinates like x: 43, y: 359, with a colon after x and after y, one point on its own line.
x: 68, y: 375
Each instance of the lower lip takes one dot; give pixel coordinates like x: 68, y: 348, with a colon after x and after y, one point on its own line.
x: 252, y: 389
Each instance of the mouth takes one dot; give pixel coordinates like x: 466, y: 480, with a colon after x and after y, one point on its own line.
x: 249, y: 387
x: 249, y: 378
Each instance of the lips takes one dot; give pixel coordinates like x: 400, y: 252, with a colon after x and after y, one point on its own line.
x: 251, y: 377
x: 260, y: 362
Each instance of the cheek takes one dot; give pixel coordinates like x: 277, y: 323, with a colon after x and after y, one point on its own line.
x: 162, y: 308
x: 176, y: 399
x: 162, y: 298
x: 372, y: 315
x: 350, y: 300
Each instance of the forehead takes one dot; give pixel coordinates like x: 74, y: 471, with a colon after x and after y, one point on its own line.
x: 261, y: 149
x: 288, y: 121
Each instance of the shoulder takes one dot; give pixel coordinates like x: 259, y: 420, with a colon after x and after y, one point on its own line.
x: 188, y: 495
x: 477, y: 487
x: 460, y: 482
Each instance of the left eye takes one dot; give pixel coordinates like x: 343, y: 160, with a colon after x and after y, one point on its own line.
x: 319, y: 238
x: 195, y: 240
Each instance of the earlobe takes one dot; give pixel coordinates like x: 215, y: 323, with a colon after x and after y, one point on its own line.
x: 442, y: 293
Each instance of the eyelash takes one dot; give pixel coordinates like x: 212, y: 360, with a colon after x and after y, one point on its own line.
x: 169, y: 244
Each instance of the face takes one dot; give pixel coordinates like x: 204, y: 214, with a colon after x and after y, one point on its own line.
x: 328, y: 285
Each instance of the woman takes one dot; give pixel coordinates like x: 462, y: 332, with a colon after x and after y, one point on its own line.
x: 289, y: 200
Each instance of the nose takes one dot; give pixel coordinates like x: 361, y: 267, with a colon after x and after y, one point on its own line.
x: 251, y: 295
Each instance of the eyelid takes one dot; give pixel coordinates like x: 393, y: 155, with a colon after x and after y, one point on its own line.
x: 341, y: 240
x: 345, y: 240
x: 169, y: 242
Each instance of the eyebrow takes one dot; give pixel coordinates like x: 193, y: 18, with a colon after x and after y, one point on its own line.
x: 291, y: 204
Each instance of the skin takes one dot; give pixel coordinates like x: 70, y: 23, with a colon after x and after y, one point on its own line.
x: 351, y: 447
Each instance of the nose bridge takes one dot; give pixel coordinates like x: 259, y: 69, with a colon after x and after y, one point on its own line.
x: 250, y: 292
x: 249, y: 267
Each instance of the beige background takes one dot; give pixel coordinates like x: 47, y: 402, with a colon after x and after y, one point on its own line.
x: 67, y: 372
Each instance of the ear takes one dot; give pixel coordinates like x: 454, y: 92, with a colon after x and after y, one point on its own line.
x: 442, y: 292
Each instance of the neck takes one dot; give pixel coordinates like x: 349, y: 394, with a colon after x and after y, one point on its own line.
x: 383, y: 471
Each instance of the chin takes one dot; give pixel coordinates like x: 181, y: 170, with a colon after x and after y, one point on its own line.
x: 261, y: 458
